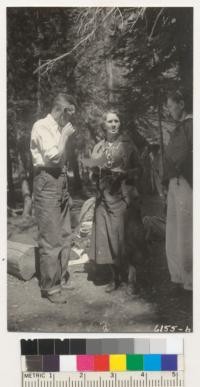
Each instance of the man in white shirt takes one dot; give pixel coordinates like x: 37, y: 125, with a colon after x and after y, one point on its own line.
x: 51, y: 198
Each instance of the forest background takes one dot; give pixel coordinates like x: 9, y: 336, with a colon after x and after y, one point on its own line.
x: 124, y: 57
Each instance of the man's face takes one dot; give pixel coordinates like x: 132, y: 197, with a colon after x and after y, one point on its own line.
x: 66, y: 114
x: 175, y: 108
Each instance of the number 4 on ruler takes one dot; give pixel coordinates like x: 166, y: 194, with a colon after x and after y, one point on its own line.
x: 103, y: 379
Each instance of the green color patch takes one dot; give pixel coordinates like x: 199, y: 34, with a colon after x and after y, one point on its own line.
x: 134, y: 363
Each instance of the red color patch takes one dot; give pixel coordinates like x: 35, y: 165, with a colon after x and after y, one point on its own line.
x: 101, y: 363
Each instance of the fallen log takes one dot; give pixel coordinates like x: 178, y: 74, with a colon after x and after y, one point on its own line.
x: 21, y: 260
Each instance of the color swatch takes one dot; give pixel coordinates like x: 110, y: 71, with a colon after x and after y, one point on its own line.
x: 170, y: 345
x: 101, y: 363
x: 102, y: 355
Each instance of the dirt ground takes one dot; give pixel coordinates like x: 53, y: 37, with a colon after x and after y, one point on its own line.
x: 89, y: 308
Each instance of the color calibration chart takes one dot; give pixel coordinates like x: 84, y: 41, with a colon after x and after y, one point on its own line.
x: 103, y: 362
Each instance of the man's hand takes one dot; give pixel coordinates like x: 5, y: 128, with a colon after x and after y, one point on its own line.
x: 68, y: 130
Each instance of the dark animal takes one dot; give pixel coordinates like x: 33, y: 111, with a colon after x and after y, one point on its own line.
x: 136, y: 255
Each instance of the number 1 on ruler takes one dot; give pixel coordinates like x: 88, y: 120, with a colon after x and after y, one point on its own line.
x: 103, y: 379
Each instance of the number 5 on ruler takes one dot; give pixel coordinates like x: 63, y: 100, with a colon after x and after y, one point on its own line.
x: 103, y: 379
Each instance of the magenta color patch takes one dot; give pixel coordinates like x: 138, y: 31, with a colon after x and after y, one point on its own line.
x: 85, y: 363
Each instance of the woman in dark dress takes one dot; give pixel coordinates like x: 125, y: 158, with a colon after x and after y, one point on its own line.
x: 116, y: 171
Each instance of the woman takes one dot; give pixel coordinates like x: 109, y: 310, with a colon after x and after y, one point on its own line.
x: 178, y: 169
x: 116, y: 166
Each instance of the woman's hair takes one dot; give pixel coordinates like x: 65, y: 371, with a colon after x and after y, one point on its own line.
x: 179, y: 95
x: 113, y: 111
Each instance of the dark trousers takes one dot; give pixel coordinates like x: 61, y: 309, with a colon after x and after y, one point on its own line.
x: 51, y: 199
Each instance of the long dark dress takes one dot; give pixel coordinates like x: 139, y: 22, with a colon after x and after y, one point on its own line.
x: 113, y: 191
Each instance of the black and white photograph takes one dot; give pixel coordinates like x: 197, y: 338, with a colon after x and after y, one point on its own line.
x: 100, y: 169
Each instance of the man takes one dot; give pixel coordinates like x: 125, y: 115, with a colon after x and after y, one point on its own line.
x: 48, y: 147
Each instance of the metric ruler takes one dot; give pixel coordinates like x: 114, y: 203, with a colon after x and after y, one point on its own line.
x: 103, y: 379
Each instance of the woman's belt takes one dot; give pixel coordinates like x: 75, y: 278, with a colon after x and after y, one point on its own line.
x: 112, y: 173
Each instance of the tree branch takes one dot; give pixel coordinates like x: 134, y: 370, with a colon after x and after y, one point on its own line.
x: 155, y: 22
x: 92, y: 19
x: 122, y: 19
x: 141, y: 13
x: 50, y: 63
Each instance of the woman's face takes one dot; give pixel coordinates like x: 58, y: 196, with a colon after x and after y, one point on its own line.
x: 112, y: 124
x: 176, y: 109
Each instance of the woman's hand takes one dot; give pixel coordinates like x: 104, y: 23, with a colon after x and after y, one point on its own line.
x: 91, y: 163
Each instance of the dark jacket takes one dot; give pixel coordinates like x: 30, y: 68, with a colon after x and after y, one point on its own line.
x: 178, y: 160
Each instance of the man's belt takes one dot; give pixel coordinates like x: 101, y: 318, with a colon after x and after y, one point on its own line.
x: 55, y: 172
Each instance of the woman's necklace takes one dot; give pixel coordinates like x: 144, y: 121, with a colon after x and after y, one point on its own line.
x: 110, y: 149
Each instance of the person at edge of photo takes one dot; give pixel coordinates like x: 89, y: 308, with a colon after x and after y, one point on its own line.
x: 49, y: 137
x: 178, y: 175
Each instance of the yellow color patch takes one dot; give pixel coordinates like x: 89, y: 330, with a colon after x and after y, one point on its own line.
x: 117, y: 362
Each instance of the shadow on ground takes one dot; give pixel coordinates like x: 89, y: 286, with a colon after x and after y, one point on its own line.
x: 89, y: 308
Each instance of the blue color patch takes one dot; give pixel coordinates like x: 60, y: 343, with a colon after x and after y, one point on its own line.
x: 169, y: 362
x: 152, y: 362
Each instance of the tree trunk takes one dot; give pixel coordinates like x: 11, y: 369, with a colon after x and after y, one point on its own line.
x: 108, y: 66
x: 109, y: 72
x: 161, y: 136
x: 11, y: 191
x: 39, y: 91
x: 27, y: 198
x: 25, y: 186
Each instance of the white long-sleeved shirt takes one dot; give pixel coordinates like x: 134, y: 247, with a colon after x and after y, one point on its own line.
x: 45, y: 137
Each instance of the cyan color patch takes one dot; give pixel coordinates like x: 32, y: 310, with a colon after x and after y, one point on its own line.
x: 152, y: 362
